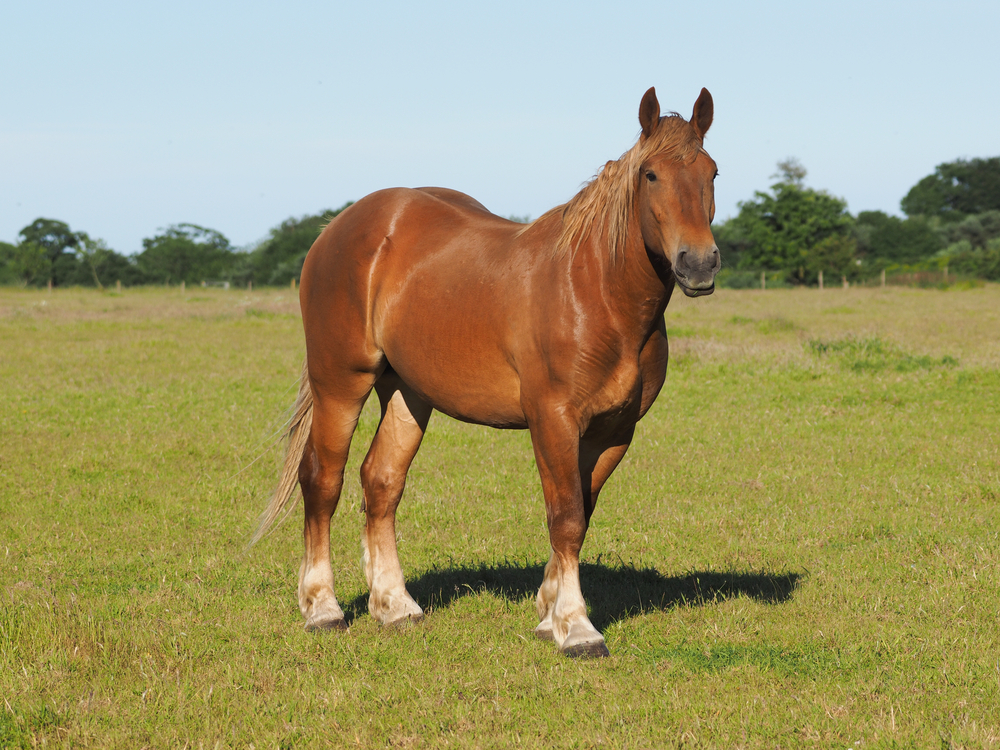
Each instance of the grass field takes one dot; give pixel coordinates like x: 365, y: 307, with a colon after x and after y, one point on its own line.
x: 800, y: 549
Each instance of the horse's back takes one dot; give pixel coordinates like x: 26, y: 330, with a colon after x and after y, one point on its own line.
x: 410, y: 219
x: 457, y: 198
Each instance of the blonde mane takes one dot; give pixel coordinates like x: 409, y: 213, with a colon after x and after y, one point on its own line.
x: 604, y: 204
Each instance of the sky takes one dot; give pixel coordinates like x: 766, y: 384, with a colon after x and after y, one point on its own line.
x: 121, y: 119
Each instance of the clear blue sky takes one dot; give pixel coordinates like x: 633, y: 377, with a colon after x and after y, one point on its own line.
x: 123, y: 118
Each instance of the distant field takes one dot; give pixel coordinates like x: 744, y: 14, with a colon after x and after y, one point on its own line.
x: 801, y: 547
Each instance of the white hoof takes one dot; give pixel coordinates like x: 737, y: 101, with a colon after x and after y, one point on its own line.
x: 543, y: 630
x: 584, y: 642
x: 324, y: 615
x: 313, y: 626
x: 395, y: 610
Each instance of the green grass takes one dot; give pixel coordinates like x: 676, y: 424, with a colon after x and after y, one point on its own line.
x: 801, y: 547
x: 874, y: 354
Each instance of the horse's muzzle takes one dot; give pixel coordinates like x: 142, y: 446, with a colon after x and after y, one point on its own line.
x: 695, y: 271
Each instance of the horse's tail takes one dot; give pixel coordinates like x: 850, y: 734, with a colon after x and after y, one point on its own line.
x: 297, y: 434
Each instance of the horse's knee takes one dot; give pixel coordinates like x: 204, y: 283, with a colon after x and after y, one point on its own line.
x: 567, y: 532
x: 382, y: 485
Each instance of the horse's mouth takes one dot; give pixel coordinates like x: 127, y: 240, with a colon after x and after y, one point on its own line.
x: 695, y: 292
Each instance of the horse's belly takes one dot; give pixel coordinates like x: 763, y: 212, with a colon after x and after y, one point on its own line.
x: 463, y: 382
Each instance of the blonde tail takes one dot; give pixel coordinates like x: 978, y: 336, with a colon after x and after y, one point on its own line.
x: 298, y: 434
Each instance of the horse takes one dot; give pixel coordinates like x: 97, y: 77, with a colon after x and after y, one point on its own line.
x: 555, y: 326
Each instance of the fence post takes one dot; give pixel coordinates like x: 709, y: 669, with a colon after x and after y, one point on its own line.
x: 820, y: 279
x: 883, y: 278
x: 182, y: 287
x: 118, y: 286
x: 292, y: 286
x: 763, y: 280
x: 249, y: 286
x: 843, y: 280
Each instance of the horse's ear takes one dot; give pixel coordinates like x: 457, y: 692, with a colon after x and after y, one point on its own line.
x: 704, y: 111
x: 649, y: 112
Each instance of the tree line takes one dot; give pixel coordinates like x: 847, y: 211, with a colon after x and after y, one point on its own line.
x: 795, y: 233
x: 49, y: 252
x: 791, y: 232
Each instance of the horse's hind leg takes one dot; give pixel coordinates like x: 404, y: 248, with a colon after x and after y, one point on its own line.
x: 383, y: 475
x: 321, y: 475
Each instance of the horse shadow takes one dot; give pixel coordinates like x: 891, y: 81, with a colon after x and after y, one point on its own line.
x: 614, y: 592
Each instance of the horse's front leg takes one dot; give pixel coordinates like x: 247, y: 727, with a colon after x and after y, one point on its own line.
x: 598, y: 459
x: 556, y: 440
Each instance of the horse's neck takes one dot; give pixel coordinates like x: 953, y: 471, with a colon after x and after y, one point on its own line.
x: 637, y: 288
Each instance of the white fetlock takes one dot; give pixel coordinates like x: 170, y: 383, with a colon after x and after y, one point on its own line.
x: 366, y: 559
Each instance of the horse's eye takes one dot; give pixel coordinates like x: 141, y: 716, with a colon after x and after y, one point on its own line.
x: 651, y: 176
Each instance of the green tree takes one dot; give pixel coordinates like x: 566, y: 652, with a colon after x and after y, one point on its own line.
x: 732, y: 242
x: 7, y: 252
x: 777, y: 230
x: 56, y: 238
x: 112, y: 267
x: 983, y: 262
x: 69, y: 270
x: 835, y: 255
x: 24, y: 263
x: 279, y: 257
x: 884, y: 239
x: 791, y: 171
x: 101, y: 265
x: 977, y: 229
x: 87, y: 252
x: 186, y: 252
x: 956, y: 190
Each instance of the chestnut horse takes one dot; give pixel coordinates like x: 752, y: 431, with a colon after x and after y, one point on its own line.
x: 555, y: 326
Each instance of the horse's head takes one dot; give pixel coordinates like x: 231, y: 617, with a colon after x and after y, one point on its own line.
x: 676, y: 195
